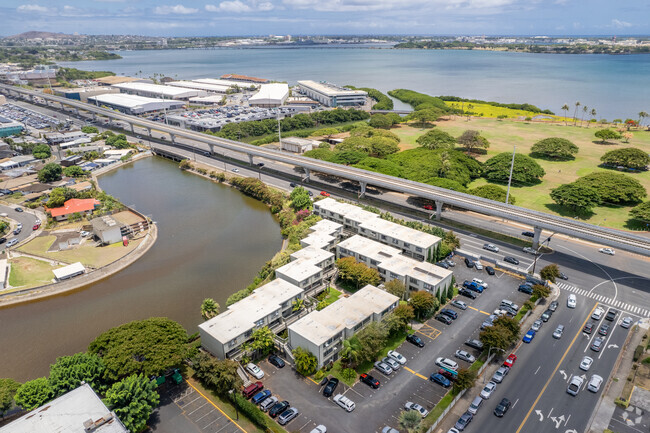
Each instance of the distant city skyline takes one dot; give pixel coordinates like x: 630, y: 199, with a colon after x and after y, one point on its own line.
x: 327, y: 17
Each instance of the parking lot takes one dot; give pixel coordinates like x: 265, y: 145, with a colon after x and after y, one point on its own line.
x: 376, y: 408
x: 28, y: 117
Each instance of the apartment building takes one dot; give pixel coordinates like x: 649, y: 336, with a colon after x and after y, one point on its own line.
x: 310, y: 268
x: 322, y: 332
x: 268, y: 305
x: 325, y: 234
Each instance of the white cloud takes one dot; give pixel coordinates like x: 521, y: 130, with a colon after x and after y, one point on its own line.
x: 383, y: 5
x: 238, y: 6
x: 178, y: 10
x: 32, y: 8
x: 620, y: 24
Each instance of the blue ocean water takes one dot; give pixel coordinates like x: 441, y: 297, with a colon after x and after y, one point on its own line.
x: 616, y: 86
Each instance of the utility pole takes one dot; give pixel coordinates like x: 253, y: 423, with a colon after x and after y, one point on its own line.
x: 512, y: 165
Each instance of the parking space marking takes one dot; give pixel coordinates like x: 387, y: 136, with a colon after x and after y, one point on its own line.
x: 429, y: 331
x: 415, y: 373
x: 187, y: 404
x: 197, y: 409
x: 215, y: 406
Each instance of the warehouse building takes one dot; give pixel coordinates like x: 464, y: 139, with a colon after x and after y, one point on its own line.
x: 133, y: 104
x: 299, y: 145
x: 228, y: 83
x: 159, y: 91
x: 82, y: 93
x: 322, y: 332
x: 244, y: 78
x: 331, y: 95
x: 211, y: 88
x: 10, y: 127
x: 270, y: 95
x: 269, y: 305
x: 115, y: 79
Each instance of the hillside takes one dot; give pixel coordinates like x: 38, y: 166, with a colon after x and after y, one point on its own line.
x: 41, y: 35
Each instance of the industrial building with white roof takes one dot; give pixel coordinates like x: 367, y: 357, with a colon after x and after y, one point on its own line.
x: 134, y: 104
x: 212, y: 88
x: 331, y: 95
x: 270, y: 95
x: 322, y: 332
x: 159, y: 91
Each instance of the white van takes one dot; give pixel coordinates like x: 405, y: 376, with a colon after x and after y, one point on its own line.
x: 344, y: 402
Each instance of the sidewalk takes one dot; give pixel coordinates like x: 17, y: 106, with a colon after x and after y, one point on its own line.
x: 602, y: 416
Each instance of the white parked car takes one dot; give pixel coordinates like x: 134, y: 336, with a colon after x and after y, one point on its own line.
x: 626, y: 323
x: 480, y: 282
x: 397, y: 356
x: 529, y: 250
x: 491, y: 247
x: 235, y: 170
x: 608, y: 251
x: 597, y: 314
x: 447, y: 363
x: 478, y: 265
x: 416, y: 407
x: 254, y: 370
x: 594, y: 383
x: 571, y: 301
x: 19, y: 226
x: 586, y: 362
x: 84, y: 233
x: 319, y: 429
x: 344, y: 402
x: 488, y: 390
x: 575, y: 385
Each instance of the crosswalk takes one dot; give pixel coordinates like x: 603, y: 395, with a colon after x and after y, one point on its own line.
x: 634, y: 309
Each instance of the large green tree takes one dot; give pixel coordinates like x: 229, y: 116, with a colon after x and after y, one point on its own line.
x: 149, y: 346
x: 465, y: 379
x: 50, y: 172
x: 209, y: 308
x: 629, y: 157
x: 351, y: 352
x: 423, y: 303
x: 641, y: 212
x: 34, y: 393
x: 409, y: 420
x: 472, y: 140
x: 263, y: 340
x: 550, y: 272
x: 425, y: 116
x: 306, y: 363
x: 300, y: 198
x: 68, y: 372
x: 526, y: 170
x: 554, y: 148
x: 380, y: 121
x: 576, y: 196
x: 607, y: 134
x: 74, y: 171
x: 221, y: 376
x: 492, y: 192
x: 133, y: 399
x: 395, y: 287
x: 436, y: 139
x: 614, y: 188
x: 8, y: 388
x: 357, y: 273
x: 372, y: 340
x: 42, y: 151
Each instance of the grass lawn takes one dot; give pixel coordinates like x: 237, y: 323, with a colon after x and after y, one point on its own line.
x: 332, y: 295
x: 505, y: 134
x: 87, y: 254
x: 486, y: 110
x: 27, y: 272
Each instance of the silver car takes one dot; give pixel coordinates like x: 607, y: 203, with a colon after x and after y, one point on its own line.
x: 288, y: 415
x: 488, y: 390
x: 383, y: 367
x: 394, y: 365
x: 465, y: 356
x: 498, y: 375
x: 268, y: 403
x: 594, y: 383
x: 537, y: 324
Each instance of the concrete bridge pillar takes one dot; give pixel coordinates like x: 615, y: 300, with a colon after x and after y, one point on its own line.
x: 149, y: 132
x: 173, y: 137
x: 76, y: 111
x: 211, y: 146
x: 538, y: 233
x: 62, y: 107
x: 132, y: 129
x: 250, y: 158
x: 363, y: 189
x: 307, y: 174
x: 439, y: 204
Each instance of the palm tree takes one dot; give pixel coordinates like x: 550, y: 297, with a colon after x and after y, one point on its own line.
x: 445, y: 164
x: 350, y: 353
x: 209, y: 308
x: 642, y: 115
x: 575, y: 112
x: 584, y: 111
x: 409, y: 420
x: 593, y: 115
x: 565, y: 108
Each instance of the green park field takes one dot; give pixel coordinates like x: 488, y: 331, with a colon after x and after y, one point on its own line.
x: 504, y: 134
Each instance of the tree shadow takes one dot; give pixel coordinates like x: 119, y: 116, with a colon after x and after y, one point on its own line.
x: 548, y: 158
x: 605, y: 143
x: 637, y: 225
x: 566, y: 212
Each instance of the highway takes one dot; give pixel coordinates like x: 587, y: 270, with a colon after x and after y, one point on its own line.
x: 556, y: 224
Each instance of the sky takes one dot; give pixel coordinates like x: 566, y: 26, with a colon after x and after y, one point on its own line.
x: 327, y: 17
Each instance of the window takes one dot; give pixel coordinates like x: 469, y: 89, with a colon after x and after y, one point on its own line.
x: 363, y: 230
x: 343, y: 250
x: 407, y: 245
x: 374, y: 262
x: 413, y: 280
x: 428, y: 286
x: 383, y: 237
x: 418, y: 249
x: 259, y: 323
x: 362, y: 258
x: 395, y: 241
x: 393, y: 275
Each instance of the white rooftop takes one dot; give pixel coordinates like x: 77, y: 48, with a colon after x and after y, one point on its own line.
x: 129, y: 101
x: 270, y: 92
x: 219, y: 88
x: 398, y: 231
x: 66, y: 271
x: 67, y: 414
x: 224, y: 82
x: 326, y: 226
x: 312, y: 254
x: 298, y: 270
x: 330, y: 89
x: 320, y: 326
x: 241, y: 316
x: 317, y: 240
x: 349, y: 211
x: 168, y: 91
x: 369, y: 248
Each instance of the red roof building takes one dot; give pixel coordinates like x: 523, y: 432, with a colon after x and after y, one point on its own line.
x: 245, y: 78
x: 74, y: 205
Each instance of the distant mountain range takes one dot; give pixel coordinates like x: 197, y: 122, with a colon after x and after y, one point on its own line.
x: 42, y: 35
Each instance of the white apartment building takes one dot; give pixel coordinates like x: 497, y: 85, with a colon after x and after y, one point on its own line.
x: 413, y: 243
x: 309, y: 269
x: 331, y: 95
x: 392, y: 265
x: 322, y: 332
x: 268, y: 305
x: 325, y: 234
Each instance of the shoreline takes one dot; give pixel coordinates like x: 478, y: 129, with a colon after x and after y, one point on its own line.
x: 83, y: 281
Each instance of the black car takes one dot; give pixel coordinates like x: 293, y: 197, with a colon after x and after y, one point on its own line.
x: 469, y: 262
x: 604, y: 329
x: 443, y: 265
x: 330, y: 387
x: 510, y: 259
x: 528, y: 234
x: 276, y: 360
x: 611, y: 315
x: 451, y: 313
x: 468, y: 293
x: 563, y: 276
x: 278, y: 408
x: 19, y: 209
x: 489, y: 270
x: 3, y: 240
x: 310, y: 193
x: 589, y: 327
x: 444, y: 319
x: 547, y: 315
x: 369, y: 380
x: 526, y: 288
x: 260, y: 164
x: 553, y: 306
x: 502, y: 407
x: 292, y: 185
x: 476, y: 344
x: 414, y: 339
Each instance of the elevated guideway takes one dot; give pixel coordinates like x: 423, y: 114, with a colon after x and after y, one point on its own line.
x: 540, y: 221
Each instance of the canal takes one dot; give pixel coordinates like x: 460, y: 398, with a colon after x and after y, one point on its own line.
x: 212, y: 240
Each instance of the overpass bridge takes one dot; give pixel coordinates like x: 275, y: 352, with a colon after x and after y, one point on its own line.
x: 540, y: 221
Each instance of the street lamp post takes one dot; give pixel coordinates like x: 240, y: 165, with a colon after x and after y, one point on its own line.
x: 232, y: 397
x: 488, y: 357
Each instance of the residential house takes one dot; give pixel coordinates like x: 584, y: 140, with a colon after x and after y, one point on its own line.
x: 72, y: 206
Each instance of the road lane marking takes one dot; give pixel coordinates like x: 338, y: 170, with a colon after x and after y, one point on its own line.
x: 538, y: 369
x: 557, y: 367
x: 475, y: 309
x: 215, y: 406
x: 415, y: 373
x: 481, y: 311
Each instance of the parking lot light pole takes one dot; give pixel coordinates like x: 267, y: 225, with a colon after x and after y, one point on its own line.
x: 488, y: 357
x: 232, y: 397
